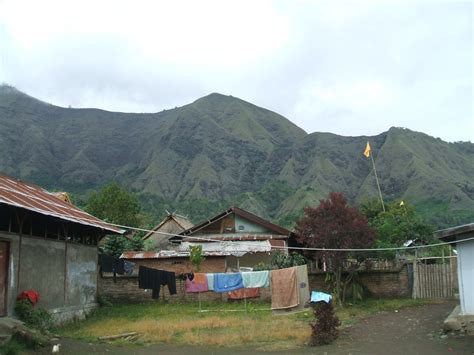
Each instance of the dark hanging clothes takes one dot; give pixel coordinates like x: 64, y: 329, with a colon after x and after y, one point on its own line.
x: 152, y: 279
x: 106, y: 263
x: 109, y: 263
x: 119, y: 266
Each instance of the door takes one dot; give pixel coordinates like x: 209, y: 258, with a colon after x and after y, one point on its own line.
x: 3, y: 277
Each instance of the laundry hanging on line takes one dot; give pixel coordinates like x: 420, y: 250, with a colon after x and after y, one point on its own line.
x: 228, y: 282
x: 152, y: 279
x: 256, y: 279
x: 320, y: 297
x: 244, y: 293
x: 197, y: 284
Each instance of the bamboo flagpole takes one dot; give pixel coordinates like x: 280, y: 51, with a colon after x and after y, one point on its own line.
x: 368, y: 153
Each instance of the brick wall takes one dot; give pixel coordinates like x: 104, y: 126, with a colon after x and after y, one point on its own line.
x: 182, y: 265
x: 125, y: 290
x: 380, y: 283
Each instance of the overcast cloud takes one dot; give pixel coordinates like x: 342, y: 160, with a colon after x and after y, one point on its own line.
x: 347, y: 67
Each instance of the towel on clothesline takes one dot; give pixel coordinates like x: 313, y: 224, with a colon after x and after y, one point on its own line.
x: 285, y: 293
x: 256, y: 279
x: 210, y: 282
x: 228, y: 282
x: 197, y: 284
x: 320, y: 296
x: 244, y: 293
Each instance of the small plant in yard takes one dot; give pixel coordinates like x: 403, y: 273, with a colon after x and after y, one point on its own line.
x: 196, y: 257
x: 324, y: 329
x: 38, y: 318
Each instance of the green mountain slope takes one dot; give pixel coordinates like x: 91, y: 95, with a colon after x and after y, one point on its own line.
x: 221, y: 150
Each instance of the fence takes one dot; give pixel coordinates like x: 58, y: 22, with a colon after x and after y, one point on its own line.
x: 434, y: 281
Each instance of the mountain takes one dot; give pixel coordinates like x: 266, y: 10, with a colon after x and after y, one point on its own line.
x: 220, y: 150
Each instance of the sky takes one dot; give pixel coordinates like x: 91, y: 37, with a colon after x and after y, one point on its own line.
x: 347, y: 67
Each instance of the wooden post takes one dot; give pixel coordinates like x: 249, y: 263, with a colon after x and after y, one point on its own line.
x: 416, y: 280
x: 245, y: 301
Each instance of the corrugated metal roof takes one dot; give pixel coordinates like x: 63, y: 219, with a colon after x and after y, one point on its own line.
x: 234, y: 237
x: 231, y: 248
x: 33, y: 198
x: 164, y: 254
x: 181, y: 221
x: 208, y: 249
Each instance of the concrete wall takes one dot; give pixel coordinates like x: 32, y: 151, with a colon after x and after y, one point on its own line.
x: 466, y: 275
x: 64, y: 276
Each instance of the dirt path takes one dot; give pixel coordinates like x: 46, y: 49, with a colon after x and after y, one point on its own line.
x: 410, y: 331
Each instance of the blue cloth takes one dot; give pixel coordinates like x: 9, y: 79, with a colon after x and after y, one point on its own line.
x: 228, y: 282
x: 256, y: 279
x: 320, y: 296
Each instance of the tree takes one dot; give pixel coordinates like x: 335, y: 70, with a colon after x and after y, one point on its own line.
x: 136, y: 242
x: 397, y: 225
x: 281, y: 261
x: 116, y: 205
x: 334, y: 225
x: 196, y: 256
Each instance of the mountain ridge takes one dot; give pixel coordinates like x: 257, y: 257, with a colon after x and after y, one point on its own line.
x: 219, y: 150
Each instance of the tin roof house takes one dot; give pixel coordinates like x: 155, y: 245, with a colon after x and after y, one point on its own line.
x: 231, y: 240
x: 49, y: 245
x: 159, y: 236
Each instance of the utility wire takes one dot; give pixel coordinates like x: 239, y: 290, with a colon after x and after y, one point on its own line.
x: 274, y: 247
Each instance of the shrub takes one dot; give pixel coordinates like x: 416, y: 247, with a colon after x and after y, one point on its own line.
x: 38, y: 318
x: 324, y: 329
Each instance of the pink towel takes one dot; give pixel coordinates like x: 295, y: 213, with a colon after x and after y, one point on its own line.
x: 198, y: 284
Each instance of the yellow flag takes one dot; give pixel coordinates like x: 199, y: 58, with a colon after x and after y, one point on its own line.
x: 367, y: 150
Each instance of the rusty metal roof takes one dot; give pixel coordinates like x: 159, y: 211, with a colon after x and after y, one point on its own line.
x: 33, y: 198
x: 208, y: 249
x: 164, y: 254
x: 233, y: 237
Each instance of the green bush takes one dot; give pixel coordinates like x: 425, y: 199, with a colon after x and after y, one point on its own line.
x: 38, y: 318
x: 12, y: 347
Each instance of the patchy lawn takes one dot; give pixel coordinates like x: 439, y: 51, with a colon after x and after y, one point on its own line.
x: 224, y: 324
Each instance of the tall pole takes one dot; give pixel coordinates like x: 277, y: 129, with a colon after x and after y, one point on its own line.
x: 378, y: 184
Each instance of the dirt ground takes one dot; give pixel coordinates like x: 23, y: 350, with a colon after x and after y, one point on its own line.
x: 415, y: 330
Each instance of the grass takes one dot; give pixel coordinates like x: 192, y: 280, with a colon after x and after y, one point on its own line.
x: 182, y: 324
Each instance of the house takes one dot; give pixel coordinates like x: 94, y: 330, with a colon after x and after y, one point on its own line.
x: 49, y: 245
x: 231, y: 240
x: 172, y: 224
x: 462, y: 316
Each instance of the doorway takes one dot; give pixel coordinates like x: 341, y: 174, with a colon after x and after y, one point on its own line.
x: 4, y: 251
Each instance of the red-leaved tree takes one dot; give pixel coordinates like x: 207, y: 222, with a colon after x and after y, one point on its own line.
x: 334, y: 225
